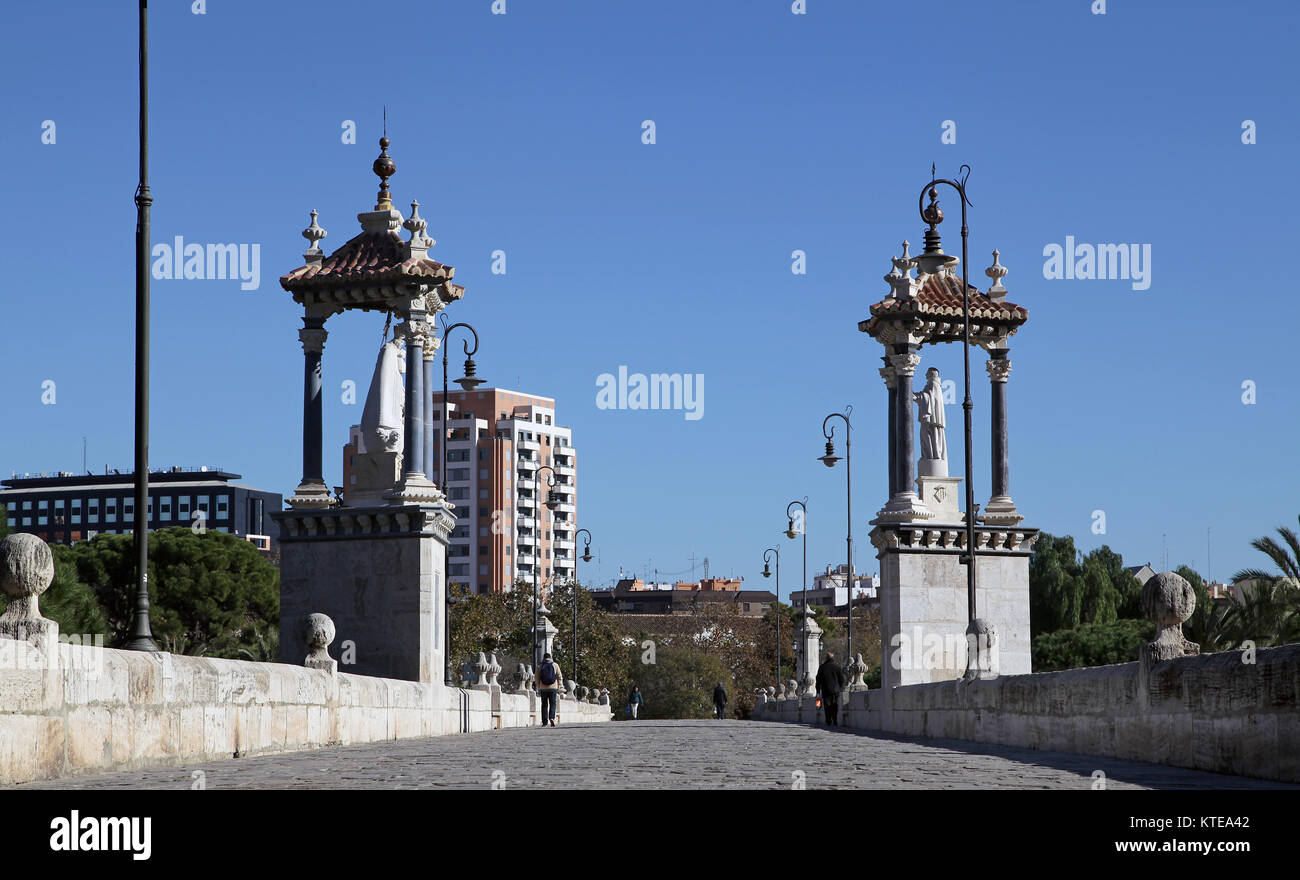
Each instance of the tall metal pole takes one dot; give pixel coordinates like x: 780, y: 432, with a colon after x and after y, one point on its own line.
x: 967, y: 405
x: 790, y: 533
x: 442, y: 477
x: 141, y: 632
x: 829, y: 459
x: 776, y: 608
x: 537, y: 541
x: 586, y: 557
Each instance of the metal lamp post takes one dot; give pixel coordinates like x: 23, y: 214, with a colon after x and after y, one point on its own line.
x: 776, y: 608
x: 929, y: 261
x: 141, y: 632
x: 829, y: 459
x: 468, y: 382
x: 792, y: 534
x: 586, y: 557
x: 551, y: 503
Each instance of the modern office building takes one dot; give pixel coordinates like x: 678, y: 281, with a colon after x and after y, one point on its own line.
x: 500, y: 443
x: 66, y: 507
x: 828, y: 591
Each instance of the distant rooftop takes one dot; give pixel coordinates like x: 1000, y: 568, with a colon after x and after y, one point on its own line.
x: 113, y: 475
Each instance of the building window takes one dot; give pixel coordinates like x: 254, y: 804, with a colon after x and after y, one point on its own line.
x: 42, y: 520
x: 27, y: 505
x: 43, y: 505
x: 165, y: 509
x: 182, y: 507
x: 223, y: 506
x: 483, y: 494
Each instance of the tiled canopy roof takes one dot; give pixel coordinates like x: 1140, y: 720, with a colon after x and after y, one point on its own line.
x: 371, y: 257
x: 939, y: 298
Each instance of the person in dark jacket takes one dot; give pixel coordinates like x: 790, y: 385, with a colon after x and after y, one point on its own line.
x: 720, y: 701
x: 634, y: 701
x: 830, y: 682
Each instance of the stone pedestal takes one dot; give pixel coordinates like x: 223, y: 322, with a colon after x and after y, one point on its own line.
x: 378, y: 474
x: 923, y: 602
x: 378, y: 573
x: 809, y: 638
x: 942, y: 495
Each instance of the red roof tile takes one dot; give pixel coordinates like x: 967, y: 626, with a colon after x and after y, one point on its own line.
x: 369, y: 257
x: 940, y: 297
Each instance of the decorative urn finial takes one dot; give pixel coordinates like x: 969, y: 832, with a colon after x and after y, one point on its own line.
x: 385, y: 168
x: 314, y: 233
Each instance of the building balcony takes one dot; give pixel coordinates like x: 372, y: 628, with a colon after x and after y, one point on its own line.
x: 529, y: 444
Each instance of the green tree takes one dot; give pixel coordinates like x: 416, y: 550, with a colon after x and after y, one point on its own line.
x: 209, y: 594
x: 1090, y: 644
x: 602, y: 648
x: 68, y: 601
x: 1267, y: 610
x: 679, y: 684
x: 1055, y: 584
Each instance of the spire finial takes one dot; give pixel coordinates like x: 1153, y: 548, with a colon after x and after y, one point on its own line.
x: 997, y: 272
x: 314, y: 233
x: 416, y: 225
x: 385, y: 168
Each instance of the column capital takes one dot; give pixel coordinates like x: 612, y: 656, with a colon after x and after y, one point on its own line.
x: 890, y: 377
x: 313, y: 339
x: 905, y: 364
x: 998, y: 366
x: 432, y: 342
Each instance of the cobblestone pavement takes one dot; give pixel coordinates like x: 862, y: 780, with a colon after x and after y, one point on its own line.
x: 666, y: 755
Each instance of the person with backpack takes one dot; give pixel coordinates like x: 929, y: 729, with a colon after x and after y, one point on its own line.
x: 720, y: 701
x: 548, y: 688
x: 634, y: 701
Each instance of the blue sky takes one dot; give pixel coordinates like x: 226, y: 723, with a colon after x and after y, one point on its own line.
x: 774, y: 132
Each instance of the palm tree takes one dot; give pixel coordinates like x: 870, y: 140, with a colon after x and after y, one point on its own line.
x: 1267, y: 610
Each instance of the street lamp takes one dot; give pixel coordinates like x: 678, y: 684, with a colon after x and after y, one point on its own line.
x: 468, y: 382
x: 552, y: 502
x: 586, y: 557
x: 792, y: 534
x: 930, y: 261
x: 141, y: 631
x: 776, y: 608
x: 829, y: 459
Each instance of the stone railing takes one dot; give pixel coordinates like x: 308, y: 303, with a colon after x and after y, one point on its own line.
x: 68, y: 708
x: 1231, y: 712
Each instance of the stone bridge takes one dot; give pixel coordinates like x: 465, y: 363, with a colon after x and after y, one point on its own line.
x: 667, y: 755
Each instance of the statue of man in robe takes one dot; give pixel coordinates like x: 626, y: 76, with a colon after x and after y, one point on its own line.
x: 382, y: 419
x: 929, y: 410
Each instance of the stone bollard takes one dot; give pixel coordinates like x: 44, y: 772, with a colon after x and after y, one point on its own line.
x: 521, y: 679
x: 481, y: 667
x: 807, y: 687
x: 981, y: 650
x: 569, y: 687
x: 26, y: 571
x: 791, y: 689
x: 771, y: 692
x: 493, y: 671
x: 762, y: 695
x: 857, y: 670
x: 604, y: 697
x: 318, y: 634
x: 580, y: 692
x: 1167, y: 600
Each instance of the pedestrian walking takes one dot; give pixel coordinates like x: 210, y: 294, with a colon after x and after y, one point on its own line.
x: 720, y: 701
x: 830, y: 683
x: 548, y: 688
x: 634, y: 701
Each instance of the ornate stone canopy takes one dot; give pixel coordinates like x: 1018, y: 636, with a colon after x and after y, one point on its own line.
x: 928, y: 308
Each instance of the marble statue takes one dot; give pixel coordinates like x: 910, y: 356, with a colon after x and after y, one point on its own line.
x: 929, y: 410
x: 382, y: 419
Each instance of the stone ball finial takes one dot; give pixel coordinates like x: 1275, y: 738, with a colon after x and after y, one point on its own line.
x: 1167, y: 600
x: 26, y: 566
x: 318, y: 633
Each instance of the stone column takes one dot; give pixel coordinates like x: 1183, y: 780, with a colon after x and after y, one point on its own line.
x: 904, y: 505
x: 413, y: 450
x: 891, y: 384
x: 810, y: 637
x: 1000, y: 510
x: 312, y: 491
x: 430, y: 462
